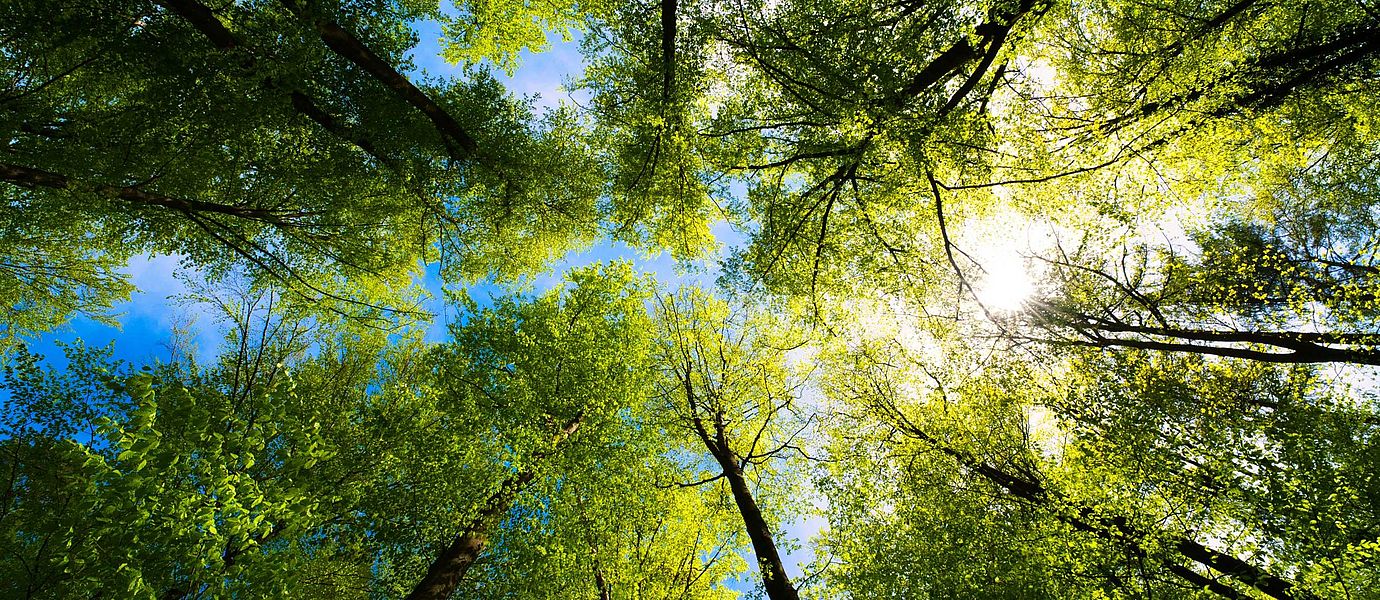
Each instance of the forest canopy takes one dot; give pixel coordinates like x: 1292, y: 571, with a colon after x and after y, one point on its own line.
x: 975, y: 299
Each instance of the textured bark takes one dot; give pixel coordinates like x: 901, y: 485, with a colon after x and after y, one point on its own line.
x: 346, y: 45
x: 450, y: 566
x: 445, y: 574
x: 448, y: 569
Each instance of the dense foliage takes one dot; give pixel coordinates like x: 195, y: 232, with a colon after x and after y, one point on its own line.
x: 1034, y: 299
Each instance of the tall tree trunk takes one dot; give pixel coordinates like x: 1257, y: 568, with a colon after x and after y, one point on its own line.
x: 450, y: 566
x: 774, y: 578
x: 668, y: 49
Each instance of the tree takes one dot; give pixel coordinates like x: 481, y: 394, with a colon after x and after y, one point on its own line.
x: 1291, y: 287
x: 980, y: 428
x: 303, y: 464
x: 732, y: 394
x: 546, y: 373
x: 175, y: 481
x: 1229, y: 438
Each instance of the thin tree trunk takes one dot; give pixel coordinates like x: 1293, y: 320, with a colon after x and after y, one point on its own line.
x: 605, y: 592
x: 774, y: 578
x: 1117, y: 529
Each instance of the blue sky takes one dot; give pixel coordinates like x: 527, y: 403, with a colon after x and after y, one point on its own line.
x: 148, y: 320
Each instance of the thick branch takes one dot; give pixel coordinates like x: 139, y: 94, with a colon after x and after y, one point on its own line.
x: 994, y: 33
x: 939, y: 69
x: 345, y: 44
x: 32, y: 178
x: 204, y: 20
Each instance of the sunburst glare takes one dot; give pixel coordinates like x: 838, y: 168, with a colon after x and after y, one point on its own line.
x: 1007, y: 283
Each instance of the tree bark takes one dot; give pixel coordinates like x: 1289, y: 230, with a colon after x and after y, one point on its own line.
x: 939, y: 69
x: 346, y: 45
x: 1303, y: 347
x: 668, y: 48
x: 994, y: 33
x: 444, y: 574
x: 775, y: 580
x: 605, y: 592
x: 204, y: 20
x: 450, y: 566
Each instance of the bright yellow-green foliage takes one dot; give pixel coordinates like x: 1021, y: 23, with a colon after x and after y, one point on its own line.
x: 498, y: 30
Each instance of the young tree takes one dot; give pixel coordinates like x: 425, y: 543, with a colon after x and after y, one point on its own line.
x: 1117, y: 538
x: 727, y: 384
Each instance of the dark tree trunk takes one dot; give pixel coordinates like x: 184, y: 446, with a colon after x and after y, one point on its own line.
x: 1302, y: 347
x: 449, y: 567
x: 346, y: 45
x: 774, y: 578
x: 668, y: 48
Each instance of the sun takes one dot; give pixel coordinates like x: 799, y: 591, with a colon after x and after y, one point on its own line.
x: 1006, y: 284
